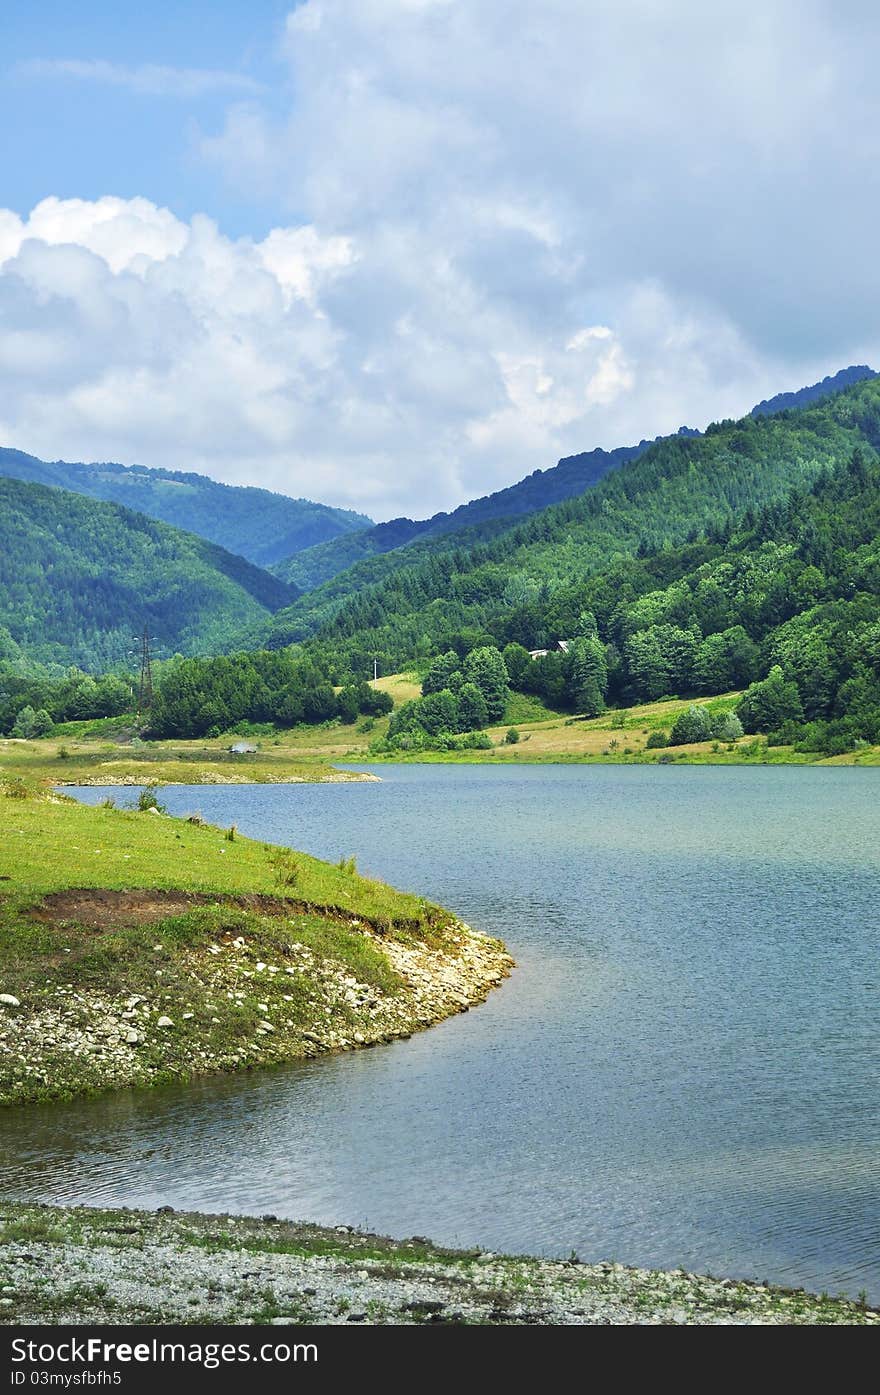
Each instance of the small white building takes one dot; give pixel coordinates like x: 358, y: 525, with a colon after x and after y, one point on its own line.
x: 560, y: 647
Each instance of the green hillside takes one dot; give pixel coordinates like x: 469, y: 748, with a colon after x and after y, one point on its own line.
x: 493, y: 513
x: 571, y: 476
x: 788, y: 601
x: 254, y: 523
x: 804, y: 397
x: 777, y: 619
x: 679, y: 488
x: 79, y: 578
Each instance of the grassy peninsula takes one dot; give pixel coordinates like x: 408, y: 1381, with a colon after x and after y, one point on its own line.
x: 136, y: 948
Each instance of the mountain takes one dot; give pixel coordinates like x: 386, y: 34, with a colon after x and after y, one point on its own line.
x: 570, y: 477
x: 506, y: 586
x: 80, y: 578
x: 789, y: 597
x: 254, y: 523
x: 784, y: 401
x: 785, y: 605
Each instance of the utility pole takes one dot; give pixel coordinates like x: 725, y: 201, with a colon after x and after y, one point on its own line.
x: 375, y: 669
x: 145, y: 691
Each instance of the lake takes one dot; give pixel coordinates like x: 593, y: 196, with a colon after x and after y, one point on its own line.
x: 682, y: 1071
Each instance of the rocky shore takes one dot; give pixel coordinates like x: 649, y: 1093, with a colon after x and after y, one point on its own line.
x: 78, y: 1265
x: 104, y: 774
x: 237, y: 1002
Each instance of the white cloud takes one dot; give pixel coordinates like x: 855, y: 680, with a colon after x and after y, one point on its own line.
x: 147, y: 79
x: 511, y: 232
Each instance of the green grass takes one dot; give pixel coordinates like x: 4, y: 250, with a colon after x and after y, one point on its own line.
x: 51, y: 845
x: 525, y: 707
x: 110, y: 919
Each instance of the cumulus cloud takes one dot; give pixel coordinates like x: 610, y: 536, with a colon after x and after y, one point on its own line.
x: 505, y: 233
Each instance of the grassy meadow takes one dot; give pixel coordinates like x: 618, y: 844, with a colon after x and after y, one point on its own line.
x: 110, y: 751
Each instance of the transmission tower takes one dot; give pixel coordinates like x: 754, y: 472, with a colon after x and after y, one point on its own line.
x: 145, y: 690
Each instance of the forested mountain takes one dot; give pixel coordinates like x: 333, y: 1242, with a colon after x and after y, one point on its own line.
x: 488, y: 515
x: 795, y: 585
x: 80, y: 578
x: 786, y: 606
x: 783, y: 401
x: 504, y: 589
x: 571, y: 476
x: 254, y: 523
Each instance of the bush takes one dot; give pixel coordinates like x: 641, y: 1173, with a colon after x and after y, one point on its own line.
x: 726, y: 726
x: 512, y: 736
x: 656, y: 739
x: 767, y: 705
x: 694, y: 724
x: 148, y: 799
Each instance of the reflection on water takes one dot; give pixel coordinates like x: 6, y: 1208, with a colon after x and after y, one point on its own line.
x: 683, y: 1069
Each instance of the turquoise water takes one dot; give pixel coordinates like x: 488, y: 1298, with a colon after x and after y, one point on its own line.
x: 683, y: 1069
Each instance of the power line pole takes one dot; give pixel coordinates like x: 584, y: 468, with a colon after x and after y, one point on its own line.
x: 375, y: 669
x: 145, y: 690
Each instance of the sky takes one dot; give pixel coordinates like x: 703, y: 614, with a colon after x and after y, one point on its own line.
x: 395, y: 254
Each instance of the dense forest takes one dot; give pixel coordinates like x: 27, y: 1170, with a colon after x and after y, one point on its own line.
x: 79, y: 580
x: 806, y: 396
x: 206, y: 697
x: 537, y: 491
x: 744, y: 559
x: 785, y: 605
x: 485, y: 517
x: 506, y: 588
x: 34, y: 697
x: 254, y: 523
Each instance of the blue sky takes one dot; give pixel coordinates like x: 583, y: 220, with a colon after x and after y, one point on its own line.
x: 75, y: 138
x: 398, y: 253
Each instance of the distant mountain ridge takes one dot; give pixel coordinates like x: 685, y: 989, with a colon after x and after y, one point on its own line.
x: 570, y: 477
x: 255, y: 523
x: 427, y: 595
x: 81, y: 577
x: 785, y: 401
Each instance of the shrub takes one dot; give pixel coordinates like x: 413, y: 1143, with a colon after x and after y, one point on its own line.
x: 285, y: 866
x: 148, y: 799
x: 694, y: 724
x: 767, y: 705
x: 726, y: 726
x: 656, y: 739
x: 512, y: 736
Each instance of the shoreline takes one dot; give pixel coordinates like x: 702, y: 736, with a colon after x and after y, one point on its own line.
x: 331, y: 776
x: 137, y: 950
x: 83, y: 1265
x: 89, y: 1041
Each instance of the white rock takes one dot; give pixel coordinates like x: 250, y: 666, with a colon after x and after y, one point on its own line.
x: 9, y: 1000
x: 164, y: 1022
